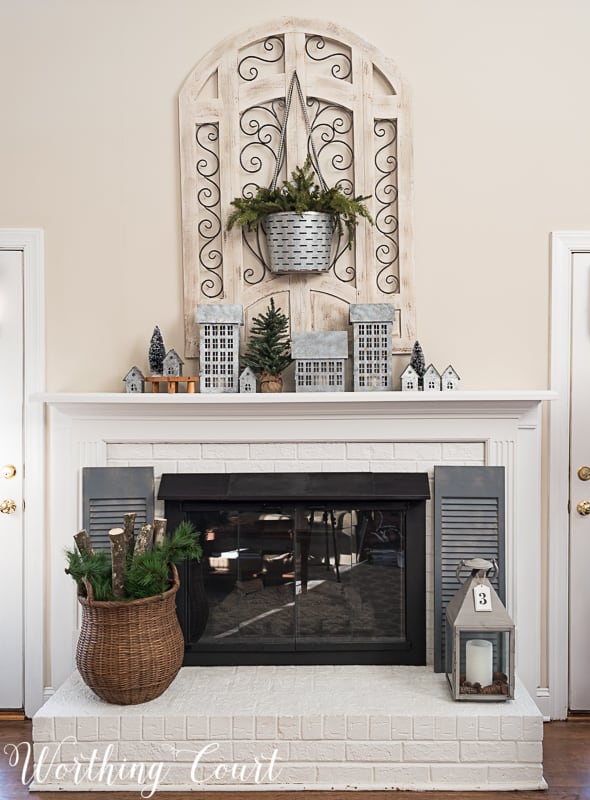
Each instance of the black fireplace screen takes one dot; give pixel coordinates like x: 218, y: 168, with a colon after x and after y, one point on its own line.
x: 302, y: 581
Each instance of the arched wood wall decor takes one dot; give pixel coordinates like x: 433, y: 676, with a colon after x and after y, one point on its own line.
x: 231, y: 110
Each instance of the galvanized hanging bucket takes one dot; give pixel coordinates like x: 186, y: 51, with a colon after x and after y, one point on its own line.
x: 299, y: 242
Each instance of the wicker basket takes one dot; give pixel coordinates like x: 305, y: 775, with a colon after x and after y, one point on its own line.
x: 130, y: 651
x: 299, y: 242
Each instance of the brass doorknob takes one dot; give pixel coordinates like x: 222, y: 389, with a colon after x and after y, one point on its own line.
x: 584, y: 473
x: 8, y: 471
x: 583, y: 507
x: 9, y: 507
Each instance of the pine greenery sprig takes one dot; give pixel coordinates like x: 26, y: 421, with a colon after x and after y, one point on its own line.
x: 300, y: 194
x: 184, y: 543
x: 269, y: 347
x: 95, y: 568
x: 147, y: 574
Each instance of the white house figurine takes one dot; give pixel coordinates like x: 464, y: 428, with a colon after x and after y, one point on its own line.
x: 372, y: 326
x: 409, y: 379
x: 219, y: 342
x: 134, y: 381
x: 172, y: 364
x: 431, y: 379
x: 319, y: 360
x: 450, y: 379
x: 247, y: 381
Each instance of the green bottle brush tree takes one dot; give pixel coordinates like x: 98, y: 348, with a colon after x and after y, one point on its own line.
x: 268, y: 351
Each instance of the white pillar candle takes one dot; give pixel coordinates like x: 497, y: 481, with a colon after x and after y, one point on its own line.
x: 478, y: 661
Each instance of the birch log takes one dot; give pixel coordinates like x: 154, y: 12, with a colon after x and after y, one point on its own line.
x: 129, y: 528
x: 143, y: 540
x: 159, y: 531
x: 119, y: 558
x: 83, y: 543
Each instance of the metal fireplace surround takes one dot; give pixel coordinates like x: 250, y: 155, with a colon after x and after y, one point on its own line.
x: 302, y: 568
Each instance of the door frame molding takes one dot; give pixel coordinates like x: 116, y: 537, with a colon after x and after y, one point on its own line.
x: 563, y: 246
x: 30, y: 241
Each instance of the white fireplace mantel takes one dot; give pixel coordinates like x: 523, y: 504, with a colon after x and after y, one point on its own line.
x: 414, y: 403
x: 506, y: 423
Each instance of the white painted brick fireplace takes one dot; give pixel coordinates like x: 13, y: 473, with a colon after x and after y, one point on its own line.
x: 239, y: 457
x: 385, y: 432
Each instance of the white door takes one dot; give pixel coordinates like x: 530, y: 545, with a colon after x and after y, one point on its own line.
x: 579, y: 679
x: 11, y: 479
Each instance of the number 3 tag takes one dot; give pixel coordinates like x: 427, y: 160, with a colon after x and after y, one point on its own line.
x: 482, y: 597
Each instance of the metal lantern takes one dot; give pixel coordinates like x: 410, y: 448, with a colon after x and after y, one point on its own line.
x: 479, y: 642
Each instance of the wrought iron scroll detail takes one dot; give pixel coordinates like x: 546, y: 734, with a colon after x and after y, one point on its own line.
x: 386, y: 213
x: 209, y: 202
x: 332, y: 129
x: 341, y: 63
x: 249, y: 67
x: 260, y: 127
x: 254, y: 242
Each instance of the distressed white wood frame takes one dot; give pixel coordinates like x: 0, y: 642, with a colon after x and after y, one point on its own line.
x: 30, y: 243
x: 343, y: 76
x: 563, y: 246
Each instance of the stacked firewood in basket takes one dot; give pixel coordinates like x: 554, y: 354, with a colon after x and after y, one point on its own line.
x: 137, y: 565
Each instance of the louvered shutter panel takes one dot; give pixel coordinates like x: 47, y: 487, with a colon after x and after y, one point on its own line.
x: 110, y: 492
x: 469, y: 522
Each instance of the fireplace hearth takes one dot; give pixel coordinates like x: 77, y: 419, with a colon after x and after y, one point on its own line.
x: 302, y: 568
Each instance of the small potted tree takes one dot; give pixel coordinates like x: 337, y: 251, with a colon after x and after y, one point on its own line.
x: 299, y: 219
x: 268, y: 351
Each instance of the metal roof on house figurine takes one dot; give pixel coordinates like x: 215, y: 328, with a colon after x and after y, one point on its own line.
x: 319, y: 360
x: 319, y: 344
x: 372, y: 325
x: 219, y: 346
x: 372, y: 312
x: 230, y: 313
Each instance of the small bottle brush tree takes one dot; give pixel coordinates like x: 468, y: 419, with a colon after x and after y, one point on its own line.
x: 156, y: 353
x: 268, y: 351
x: 417, y: 362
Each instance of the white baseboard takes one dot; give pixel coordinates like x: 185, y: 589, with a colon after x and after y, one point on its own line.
x: 543, y: 701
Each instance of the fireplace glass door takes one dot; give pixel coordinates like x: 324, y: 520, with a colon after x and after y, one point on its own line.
x: 293, y: 580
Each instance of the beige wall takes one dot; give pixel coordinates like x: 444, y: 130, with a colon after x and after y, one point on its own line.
x: 89, y: 153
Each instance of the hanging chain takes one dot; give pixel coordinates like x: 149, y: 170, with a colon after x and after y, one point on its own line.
x: 314, y: 156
